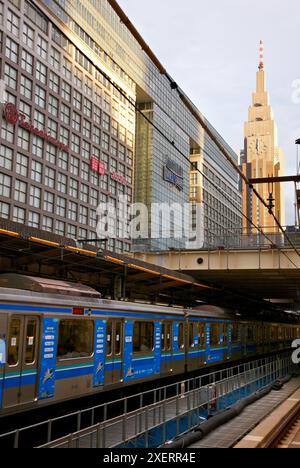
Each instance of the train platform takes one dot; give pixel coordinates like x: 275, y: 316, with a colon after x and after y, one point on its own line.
x: 229, y: 435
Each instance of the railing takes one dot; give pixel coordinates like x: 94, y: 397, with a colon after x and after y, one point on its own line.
x: 136, y: 414
x: 155, y: 424
x: 239, y: 239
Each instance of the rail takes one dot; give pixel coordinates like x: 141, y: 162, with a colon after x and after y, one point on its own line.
x: 168, y: 416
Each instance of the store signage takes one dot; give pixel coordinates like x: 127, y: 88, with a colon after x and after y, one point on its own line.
x: 13, y: 116
x: 173, y: 173
x: 119, y: 178
x: 98, y: 166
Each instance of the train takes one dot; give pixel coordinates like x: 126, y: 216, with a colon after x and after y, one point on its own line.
x: 60, y: 341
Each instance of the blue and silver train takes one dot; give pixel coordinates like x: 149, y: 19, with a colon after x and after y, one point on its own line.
x: 60, y: 341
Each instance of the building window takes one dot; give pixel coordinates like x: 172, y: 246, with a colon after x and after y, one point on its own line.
x: 34, y: 219
x: 47, y: 224
x: 25, y: 109
x: 38, y: 147
x: 23, y: 139
x: 65, y: 114
x: 54, y: 83
x: 22, y: 165
x: 73, y: 209
x: 51, y: 152
x: 55, y: 59
x: 84, y: 193
x: 35, y: 197
x: 6, y: 157
x: 41, y: 72
x: 50, y: 177
x: 66, y: 92
x: 12, y: 50
x: 83, y: 217
x: 28, y: 36
x: 10, y: 77
x: 53, y: 106
x: 52, y: 127
x: 63, y: 160
x: 20, y: 191
x: 13, y: 23
x: 60, y: 228
x: 61, y: 205
x: 62, y: 183
x: 40, y: 97
x: 5, y: 185
x: 74, y: 188
x: 77, y: 100
x: 67, y: 69
x: 36, y: 171
x: 49, y: 202
x: 19, y: 215
x: 4, y: 210
x: 72, y: 231
x: 26, y: 87
x: 75, y: 166
x: 27, y: 62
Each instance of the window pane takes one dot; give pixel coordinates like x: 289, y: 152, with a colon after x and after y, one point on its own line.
x: 143, y: 337
x: 75, y: 339
x: 181, y: 336
x: 30, y: 341
x: 118, y: 338
x: 109, y: 339
x: 14, y: 342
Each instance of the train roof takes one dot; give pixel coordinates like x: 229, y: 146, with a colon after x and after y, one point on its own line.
x: 22, y: 288
x: 45, y: 285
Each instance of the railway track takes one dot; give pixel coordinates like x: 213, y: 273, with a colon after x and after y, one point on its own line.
x: 290, y: 437
x: 280, y: 430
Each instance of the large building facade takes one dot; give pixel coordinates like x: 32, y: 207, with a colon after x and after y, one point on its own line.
x: 72, y: 138
x: 262, y: 158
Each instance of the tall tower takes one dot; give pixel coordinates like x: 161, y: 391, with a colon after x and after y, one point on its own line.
x: 262, y: 157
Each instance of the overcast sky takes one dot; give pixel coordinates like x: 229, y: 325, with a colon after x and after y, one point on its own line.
x: 211, y: 49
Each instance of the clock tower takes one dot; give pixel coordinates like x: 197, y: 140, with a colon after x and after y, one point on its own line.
x: 262, y: 158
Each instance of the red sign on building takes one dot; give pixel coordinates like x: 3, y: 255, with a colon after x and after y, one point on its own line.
x: 12, y: 116
x: 98, y: 166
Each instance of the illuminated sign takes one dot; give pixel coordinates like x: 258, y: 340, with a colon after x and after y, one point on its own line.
x: 12, y: 116
x: 119, y: 178
x: 173, y: 173
x: 98, y: 166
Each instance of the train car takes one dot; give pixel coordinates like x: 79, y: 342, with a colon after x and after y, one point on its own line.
x: 60, y: 341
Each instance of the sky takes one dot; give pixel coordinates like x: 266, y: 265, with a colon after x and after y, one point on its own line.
x: 211, y: 48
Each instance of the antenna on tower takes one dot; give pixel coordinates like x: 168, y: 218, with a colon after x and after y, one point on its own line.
x: 261, y: 56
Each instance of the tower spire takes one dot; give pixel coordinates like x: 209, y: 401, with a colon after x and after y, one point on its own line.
x: 261, y: 56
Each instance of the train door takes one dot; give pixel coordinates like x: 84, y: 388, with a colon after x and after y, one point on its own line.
x: 114, y: 352
x: 20, y: 372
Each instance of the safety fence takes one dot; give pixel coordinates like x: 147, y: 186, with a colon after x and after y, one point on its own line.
x: 174, y: 409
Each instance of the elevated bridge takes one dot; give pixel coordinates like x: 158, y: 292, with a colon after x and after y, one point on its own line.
x: 269, y: 272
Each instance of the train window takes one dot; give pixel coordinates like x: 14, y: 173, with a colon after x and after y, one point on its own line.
x: 191, y: 336
x: 109, y: 339
x: 30, y: 341
x: 166, y: 336
x: 75, y: 339
x: 250, y: 334
x: 181, y: 336
x: 14, y: 342
x: 143, y: 337
x: 235, y: 333
x: 202, y: 337
x: 214, y: 334
x: 118, y: 338
x: 225, y: 333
